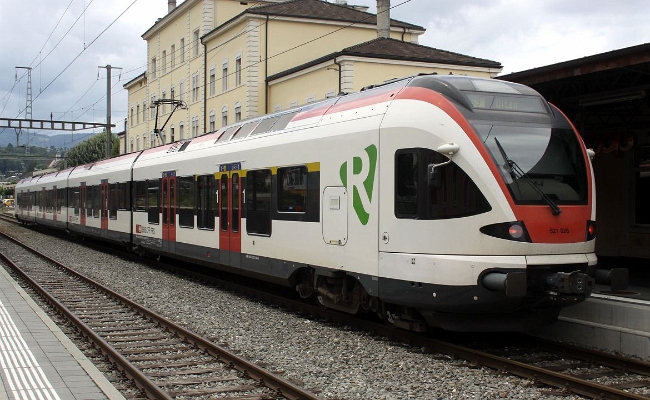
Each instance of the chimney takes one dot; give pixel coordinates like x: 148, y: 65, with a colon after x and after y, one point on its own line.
x: 383, y: 18
x: 171, y: 5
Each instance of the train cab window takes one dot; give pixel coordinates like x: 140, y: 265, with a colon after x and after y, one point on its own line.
x: 292, y: 189
x: 205, y: 194
x: 258, y: 202
x: 141, y: 196
x: 153, y: 201
x: 186, y: 202
x: 454, y: 196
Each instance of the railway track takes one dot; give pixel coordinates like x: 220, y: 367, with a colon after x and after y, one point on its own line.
x: 163, y: 359
x: 563, y: 369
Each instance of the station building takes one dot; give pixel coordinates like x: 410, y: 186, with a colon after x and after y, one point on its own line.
x: 230, y: 60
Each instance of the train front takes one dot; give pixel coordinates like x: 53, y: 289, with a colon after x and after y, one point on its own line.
x: 521, y: 230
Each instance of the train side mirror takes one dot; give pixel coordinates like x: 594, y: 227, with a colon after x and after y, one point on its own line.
x: 434, y: 171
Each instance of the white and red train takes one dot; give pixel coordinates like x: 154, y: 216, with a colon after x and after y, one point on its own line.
x: 434, y: 201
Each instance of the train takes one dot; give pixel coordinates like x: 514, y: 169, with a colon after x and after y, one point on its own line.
x: 452, y: 202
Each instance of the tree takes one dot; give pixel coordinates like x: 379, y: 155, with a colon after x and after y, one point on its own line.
x: 91, y: 150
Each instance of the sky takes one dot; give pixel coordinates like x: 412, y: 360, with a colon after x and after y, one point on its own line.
x: 65, y: 46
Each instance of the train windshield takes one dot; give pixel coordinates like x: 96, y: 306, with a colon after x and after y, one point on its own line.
x: 538, y: 163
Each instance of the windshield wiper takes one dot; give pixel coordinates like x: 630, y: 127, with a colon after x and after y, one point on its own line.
x: 515, y: 171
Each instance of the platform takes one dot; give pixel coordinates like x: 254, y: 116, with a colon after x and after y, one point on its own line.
x: 37, y: 359
x: 609, y: 320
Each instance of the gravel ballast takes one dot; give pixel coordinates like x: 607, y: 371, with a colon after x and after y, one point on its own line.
x: 335, y: 362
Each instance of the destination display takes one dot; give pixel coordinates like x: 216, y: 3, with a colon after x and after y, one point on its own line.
x: 506, y: 103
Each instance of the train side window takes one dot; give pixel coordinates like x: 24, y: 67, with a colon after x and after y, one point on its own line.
x: 112, y: 201
x: 458, y: 196
x: 292, y: 189
x: 141, y: 196
x: 407, y: 179
x: 75, y: 200
x: 204, y: 202
x: 122, y: 196
x: 258, y: 202
x: 89, y: 201
x: 153, y: 201
x: 60, y: 199
x: 96, y: 200
x: 186, y: 202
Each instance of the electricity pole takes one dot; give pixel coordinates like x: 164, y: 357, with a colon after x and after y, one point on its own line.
x: 109, y: 135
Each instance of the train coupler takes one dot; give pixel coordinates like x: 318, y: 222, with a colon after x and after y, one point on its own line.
x: 569, y: 287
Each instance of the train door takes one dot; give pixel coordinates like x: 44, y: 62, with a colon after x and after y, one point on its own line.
x: 104, y: 204
x: 169, y: 193
x: 82, y: 203
x: 230, y: 194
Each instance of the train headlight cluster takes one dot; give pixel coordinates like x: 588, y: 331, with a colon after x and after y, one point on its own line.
x: 507, y: 230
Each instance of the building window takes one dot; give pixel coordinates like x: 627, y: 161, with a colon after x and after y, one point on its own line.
x: 171, y: 93
x: 224, y: 116
x: 224, y: 77
x: 237, y: 112
x: 132, y: 148
x: 181, y: 129
x: 137, y: 114
x: 153, y: 68
x: 181, y: 91
x: 212, y: 118
x: 238, y: 70
x: 182, y: 50
x: 152, y: 141
x: 172, y: 139
x: 212, y: 81
x: 195, y: 127
x: 195, y: 42
x: 195, y: 86
x: 164, y: 61
x: 144, y: 111
x: 153, y: 108
x: 131, y: 116
x: 137, y: 143
x: 173, y: 56
x: 163, y: 105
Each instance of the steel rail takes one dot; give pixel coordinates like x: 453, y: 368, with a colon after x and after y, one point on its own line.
x: 151, y: 389
x: 280, y: 385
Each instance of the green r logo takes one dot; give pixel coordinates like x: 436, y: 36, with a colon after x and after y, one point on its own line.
x: 359, y: 204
